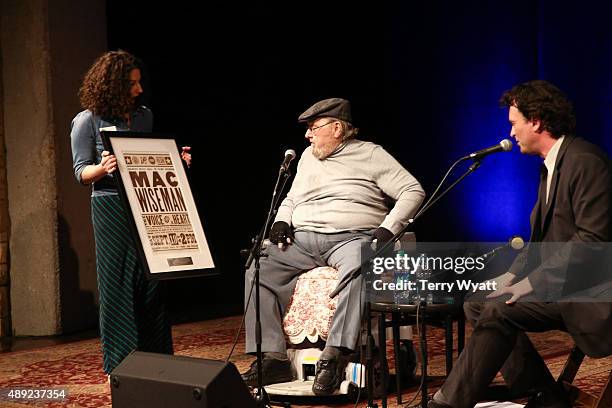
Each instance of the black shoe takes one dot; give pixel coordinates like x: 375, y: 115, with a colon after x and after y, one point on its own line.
x: 329, y: 376
x: 549, y: 398
x: 272, y: 371
x: 435, y: 404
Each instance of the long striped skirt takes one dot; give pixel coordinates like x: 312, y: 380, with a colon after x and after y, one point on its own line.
x: 132, y: 312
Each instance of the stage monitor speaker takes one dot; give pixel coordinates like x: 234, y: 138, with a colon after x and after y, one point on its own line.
x: 159, y: 381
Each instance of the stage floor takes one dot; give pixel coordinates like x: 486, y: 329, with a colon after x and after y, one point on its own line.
x: 75, y: 363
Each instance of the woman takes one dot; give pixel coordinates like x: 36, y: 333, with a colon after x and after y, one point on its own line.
x: 132, y: 313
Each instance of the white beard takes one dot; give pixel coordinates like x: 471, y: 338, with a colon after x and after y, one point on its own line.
x: 322, y: 153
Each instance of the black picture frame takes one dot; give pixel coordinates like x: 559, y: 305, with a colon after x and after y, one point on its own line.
x: 164, y: 218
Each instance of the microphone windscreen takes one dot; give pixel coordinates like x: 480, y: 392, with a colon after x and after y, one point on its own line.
x: 506, y: 145
x: 517, y: 242
x: 290, y: 152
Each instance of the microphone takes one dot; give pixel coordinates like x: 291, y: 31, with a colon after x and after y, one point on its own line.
x: 289, y: 156
x: 503, y: 146
x: 516, y: 242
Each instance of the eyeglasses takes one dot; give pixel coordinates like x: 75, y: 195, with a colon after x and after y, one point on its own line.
x: 312, y: 129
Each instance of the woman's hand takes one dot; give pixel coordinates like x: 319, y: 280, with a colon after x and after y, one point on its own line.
x: 186, y: 155
x: 108, y: 162
x: 94, y: 172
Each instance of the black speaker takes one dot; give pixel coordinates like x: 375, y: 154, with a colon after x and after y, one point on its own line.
x: 159, y: 381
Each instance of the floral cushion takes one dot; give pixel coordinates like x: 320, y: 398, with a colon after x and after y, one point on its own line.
x: 310, y: 310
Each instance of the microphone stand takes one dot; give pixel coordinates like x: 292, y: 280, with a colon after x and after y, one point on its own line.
x: 261, y: 397
x: 370, y: 341
x: 434, y: 199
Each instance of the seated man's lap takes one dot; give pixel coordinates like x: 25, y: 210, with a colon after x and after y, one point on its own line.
x: 524, y: 316
x: 347, y: 256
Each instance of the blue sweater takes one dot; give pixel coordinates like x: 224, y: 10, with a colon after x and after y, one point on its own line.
x: 87, y: 145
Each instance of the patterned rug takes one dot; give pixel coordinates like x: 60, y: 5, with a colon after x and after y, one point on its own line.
x: 78, y: 366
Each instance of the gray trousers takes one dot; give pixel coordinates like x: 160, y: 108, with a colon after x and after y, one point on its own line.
x: 499, y: 343
x: 278, y: 275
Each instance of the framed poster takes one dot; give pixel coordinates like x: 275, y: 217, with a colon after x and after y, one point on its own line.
x: 165, y: 221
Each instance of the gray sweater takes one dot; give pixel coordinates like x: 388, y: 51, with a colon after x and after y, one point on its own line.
x: 350, y: 190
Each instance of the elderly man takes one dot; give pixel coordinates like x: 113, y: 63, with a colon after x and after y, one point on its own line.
x: 338, y: 201
x: 573, y: 207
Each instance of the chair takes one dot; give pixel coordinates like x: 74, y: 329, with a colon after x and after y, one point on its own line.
x: 576, y: 395
x: 309, y: 314
x: 306, y: 324
x: 310, y: 311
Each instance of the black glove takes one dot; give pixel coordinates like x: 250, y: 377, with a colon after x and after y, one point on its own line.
x: 382, y: 235
x: 280, y: 232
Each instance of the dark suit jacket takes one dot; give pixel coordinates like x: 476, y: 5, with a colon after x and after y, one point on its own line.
x: 568, y: 229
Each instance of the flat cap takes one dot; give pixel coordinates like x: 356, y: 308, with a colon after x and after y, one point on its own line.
x: 333, y: 107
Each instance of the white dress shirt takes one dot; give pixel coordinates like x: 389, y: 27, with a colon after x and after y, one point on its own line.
x: 549, y: 162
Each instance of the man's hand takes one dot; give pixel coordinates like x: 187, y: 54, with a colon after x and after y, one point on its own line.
x: 504, y: 280
x: 382, y: 236
x: 517, y: 291
x: 281, y: 234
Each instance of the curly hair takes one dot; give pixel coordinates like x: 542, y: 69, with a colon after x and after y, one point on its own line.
x: 543, y: 101
x: 106, y: 86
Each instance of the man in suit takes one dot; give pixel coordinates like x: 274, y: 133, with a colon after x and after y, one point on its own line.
x: 572, y: 211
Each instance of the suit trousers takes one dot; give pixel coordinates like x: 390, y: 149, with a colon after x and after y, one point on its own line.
x: 279, y: 271
x: 499, y: 343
